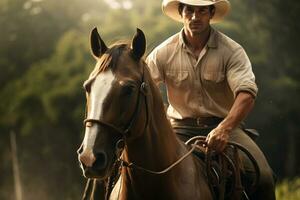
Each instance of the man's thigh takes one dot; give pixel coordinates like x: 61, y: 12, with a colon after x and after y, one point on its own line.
x: 266, y: 173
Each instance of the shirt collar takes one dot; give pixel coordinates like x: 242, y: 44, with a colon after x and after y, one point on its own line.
x: 212, y: 40
x: 211, y: 43
x: 181, y: 40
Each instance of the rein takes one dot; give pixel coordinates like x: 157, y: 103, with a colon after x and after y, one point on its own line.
x: 200, y: 141
x: 131, y: 165
x: 230, y: 163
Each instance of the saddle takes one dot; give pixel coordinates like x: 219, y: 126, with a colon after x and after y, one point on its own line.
x: 225, y: 173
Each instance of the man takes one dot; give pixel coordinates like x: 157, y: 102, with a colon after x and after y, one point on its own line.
x: 210, y: 84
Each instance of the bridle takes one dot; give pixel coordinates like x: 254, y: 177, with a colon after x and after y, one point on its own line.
x: 120, y: 144
x: 120, y: 131
x: 125, y: 132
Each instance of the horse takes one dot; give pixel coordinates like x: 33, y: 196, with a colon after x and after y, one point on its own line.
x: 125, y: 108
x: 129, y: 143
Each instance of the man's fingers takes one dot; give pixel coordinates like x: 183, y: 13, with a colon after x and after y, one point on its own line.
x: 217, y: 143
x: 207, y: 138
x: 212, y: 143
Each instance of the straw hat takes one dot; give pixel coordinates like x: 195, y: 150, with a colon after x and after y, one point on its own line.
x: 222, y: 7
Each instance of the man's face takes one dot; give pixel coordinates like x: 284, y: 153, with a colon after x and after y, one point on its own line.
x: 196, y: 18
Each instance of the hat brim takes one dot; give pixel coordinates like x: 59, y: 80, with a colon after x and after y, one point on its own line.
x: 222, y: 8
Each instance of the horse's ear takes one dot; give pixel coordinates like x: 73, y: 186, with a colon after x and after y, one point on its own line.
x: 98, y: 47
x: 138, y: 44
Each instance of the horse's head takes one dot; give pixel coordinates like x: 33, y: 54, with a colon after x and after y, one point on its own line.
x: 115, y: 94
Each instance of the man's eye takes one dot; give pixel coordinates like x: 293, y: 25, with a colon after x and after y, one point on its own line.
x: 203, y: 11
x: 189, y: 10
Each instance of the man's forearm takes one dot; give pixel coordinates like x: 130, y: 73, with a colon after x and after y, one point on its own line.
x: 242, y: 106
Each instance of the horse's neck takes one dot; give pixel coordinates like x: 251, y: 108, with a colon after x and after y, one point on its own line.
x: 158, y: 146
x: 155, y: 150
x: 184, y: 181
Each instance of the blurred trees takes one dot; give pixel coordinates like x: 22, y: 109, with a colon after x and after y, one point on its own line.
x: 44, y: 59
x: 278, y: 75
x: 284, y: 83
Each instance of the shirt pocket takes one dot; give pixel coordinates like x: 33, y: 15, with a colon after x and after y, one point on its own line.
x: 213, y: 71
x: 177, y: 78
x: 214, y: 76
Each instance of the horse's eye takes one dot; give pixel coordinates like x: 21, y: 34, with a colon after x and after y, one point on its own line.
x: 128, y: 89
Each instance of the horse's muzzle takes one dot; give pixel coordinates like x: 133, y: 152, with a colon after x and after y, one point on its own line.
x: 94, y: 165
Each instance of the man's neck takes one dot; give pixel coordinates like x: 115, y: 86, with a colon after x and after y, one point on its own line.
x: 196, y: 42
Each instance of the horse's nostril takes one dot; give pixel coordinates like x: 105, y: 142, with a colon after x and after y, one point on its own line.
x: 101, y: 160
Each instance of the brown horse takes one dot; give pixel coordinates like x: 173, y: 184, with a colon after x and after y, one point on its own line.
x: 125, y: 108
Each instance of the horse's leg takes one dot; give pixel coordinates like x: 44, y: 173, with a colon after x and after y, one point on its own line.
x: 266, y: 185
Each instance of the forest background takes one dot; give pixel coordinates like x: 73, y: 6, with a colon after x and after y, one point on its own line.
x: 45, y: 57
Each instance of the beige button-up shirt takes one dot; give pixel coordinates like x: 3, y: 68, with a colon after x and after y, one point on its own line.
x: 206, y: 86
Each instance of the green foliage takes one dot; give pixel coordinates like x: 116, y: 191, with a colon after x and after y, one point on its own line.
x: 46, y: 112
x: 288, y: 189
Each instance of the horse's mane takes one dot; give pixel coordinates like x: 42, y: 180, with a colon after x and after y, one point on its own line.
x: 108, y: 60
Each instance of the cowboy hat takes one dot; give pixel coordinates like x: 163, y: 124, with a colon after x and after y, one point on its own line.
x: 222, y: 7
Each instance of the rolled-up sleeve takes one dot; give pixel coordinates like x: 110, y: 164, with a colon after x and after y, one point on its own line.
x: 154, y: 67
x: 240, y: 76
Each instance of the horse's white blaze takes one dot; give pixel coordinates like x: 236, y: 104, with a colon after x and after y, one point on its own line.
x: 99, y: 91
